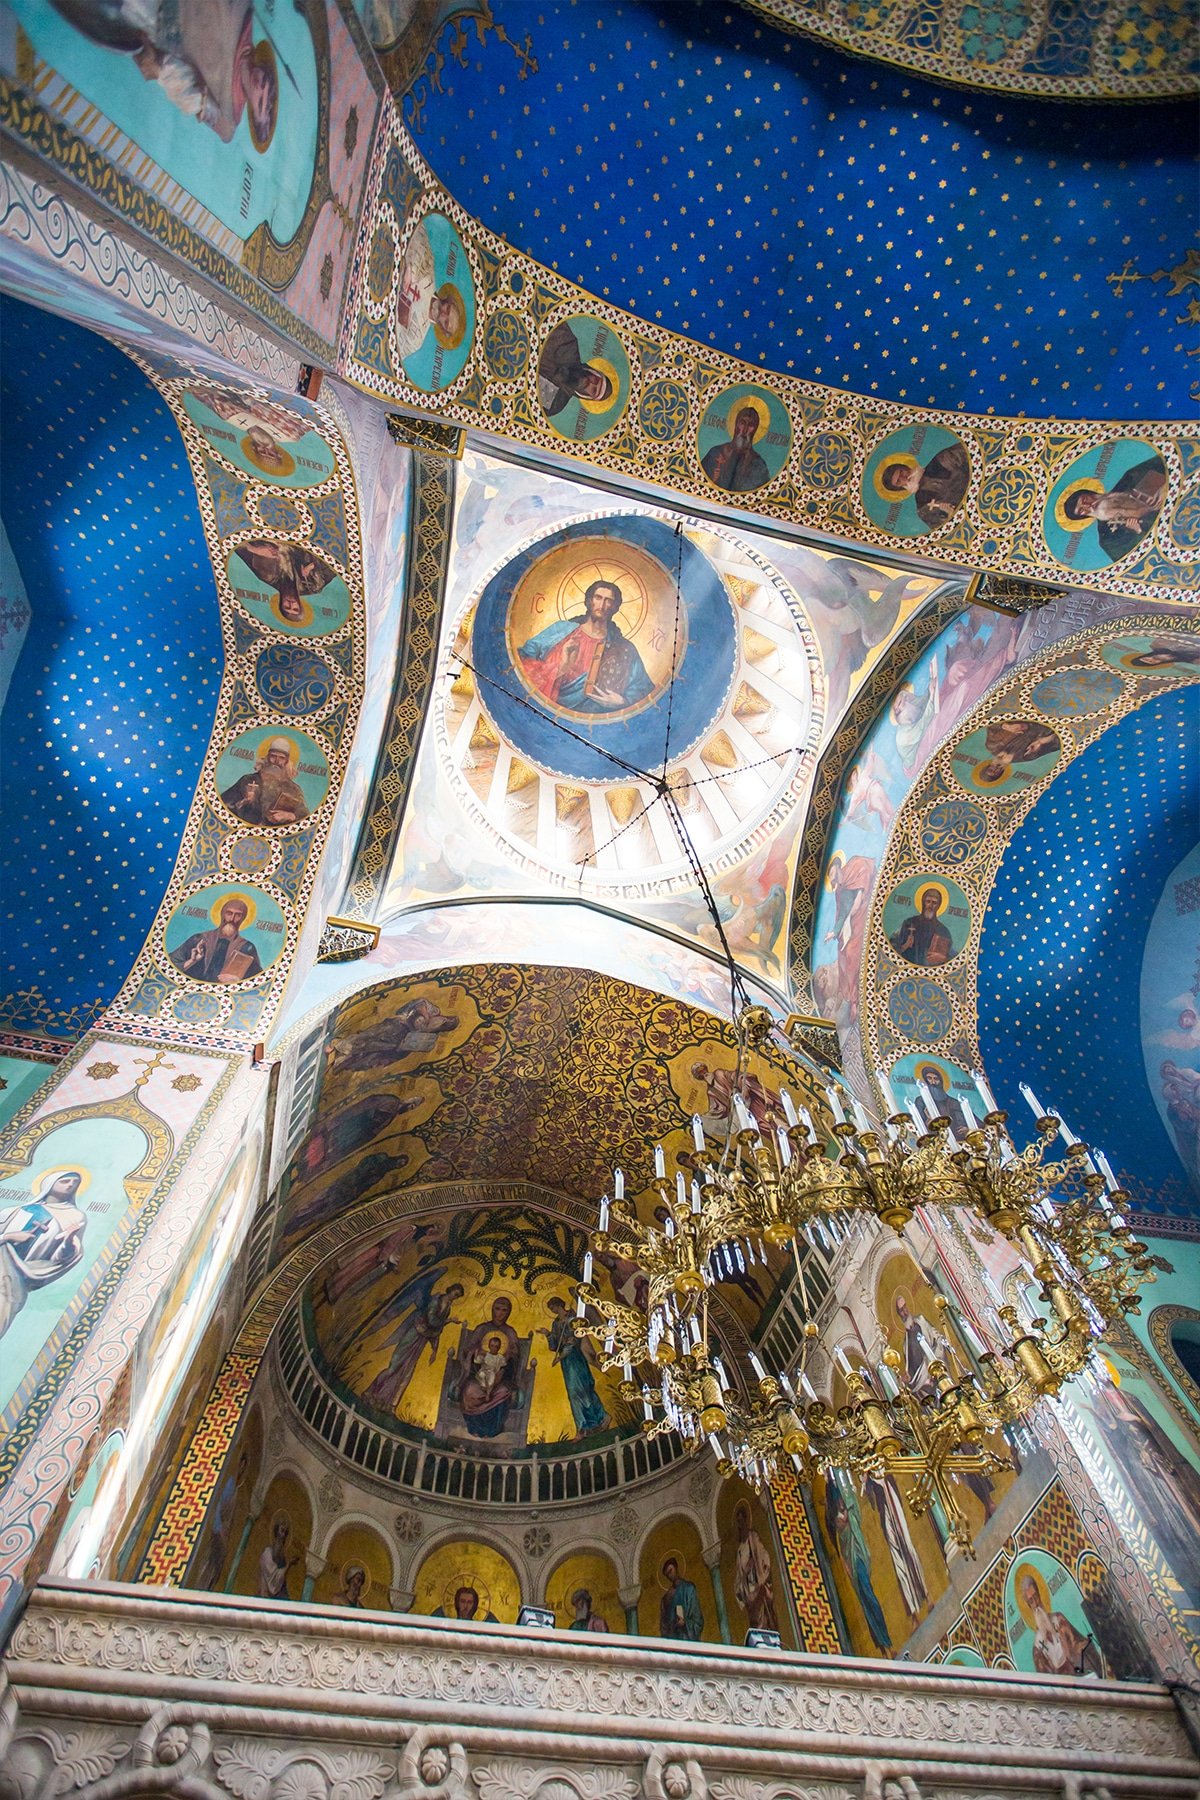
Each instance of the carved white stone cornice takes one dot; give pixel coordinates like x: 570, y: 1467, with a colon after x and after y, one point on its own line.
x: 681, y: 1719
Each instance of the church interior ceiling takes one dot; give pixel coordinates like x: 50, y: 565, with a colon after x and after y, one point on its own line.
x: 448, y: 317
x: 1106, y: 924
x: 508, y: 1073
x: 102, y: 741
x: 827, y: 218
x: 961, y: 904
x: 728, y: 656
x: 1057, y: 51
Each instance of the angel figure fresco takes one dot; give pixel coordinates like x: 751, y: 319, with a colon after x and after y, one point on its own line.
x: 349, y: 1325
x: 574, y: 1357
x: 855, y: 609
x: 361, y: 1271
x: 41, y: 1240
x: 851, y: 880
x: 419, y: 1329
x: 865, y: 795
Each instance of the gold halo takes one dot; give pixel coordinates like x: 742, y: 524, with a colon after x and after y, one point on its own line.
x: 301, y: 624
x: 885, y: 462
x: 356, y: 1562
x: 903, y: 1293
x: 1019, y: 1574
x: 756, y: 406
x: 680, y: 1563
x: 1113, y: 1371
x: 905, y: 687
x: 602, y: 366
x: 215, y: 910
x: 477, y: 1587
x: 450, y: 340
x: 983, y: 783
x: 287, y: 463
x: 47, y: 1178
x: 263, y: 57
x: 1091, y: 484
x: 923, y: 1071
x: 923, y: 887
x: 837, y: 860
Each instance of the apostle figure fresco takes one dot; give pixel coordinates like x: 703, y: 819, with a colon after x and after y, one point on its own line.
x: 267, y: 794
x: 754, y: 1581
x: 244, y: 934
x: 289, y: 587
x: 915, y: 480
x: 843, y: 1525
x: 679, y: 1612
x: 1105, y: 503
x: 1158, y: 1467
x: 204, y: 57
x: 434, y: 305
x: 277, y: 1561
x: 744, y: 438
x: 583, y: 377
x: 1048, y: 1622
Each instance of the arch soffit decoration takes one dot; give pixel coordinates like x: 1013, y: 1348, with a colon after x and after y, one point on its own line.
x: 826, y: 438
x: 944, y: 1021
x: 1160, y: 1324
x: 274, y: 680
x: 1039, y: 59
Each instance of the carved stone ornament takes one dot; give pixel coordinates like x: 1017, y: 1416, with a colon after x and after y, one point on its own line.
x: 305, y: 1706
x: 700, y: 1484
x: 331, y: 1494
x: 536, y: 1541
x: 252, y: 1770
x: 433, y: 1766
x: 408, y: 1526
x: 623, y: 1524
x: 506, y: 1779
x: 670, y: 1775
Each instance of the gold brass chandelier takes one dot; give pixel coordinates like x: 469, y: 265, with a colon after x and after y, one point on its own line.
x: 788, y: 1186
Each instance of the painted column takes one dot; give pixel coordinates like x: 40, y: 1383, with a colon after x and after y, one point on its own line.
x: 629, y: 1597
x: 247, y: 1528
x: 712, y: 1558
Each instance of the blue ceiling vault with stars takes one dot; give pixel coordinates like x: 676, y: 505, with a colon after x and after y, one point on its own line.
x: 1060, y: 965
x: 833, y: 219
x: 110, y: 708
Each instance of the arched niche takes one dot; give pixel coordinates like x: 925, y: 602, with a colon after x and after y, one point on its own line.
x: 592, y: 1572
x: 462, y: 1567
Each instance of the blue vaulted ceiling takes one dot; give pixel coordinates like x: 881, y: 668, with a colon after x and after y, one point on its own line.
x: 831, y: 218
x: 1060, y: 966
x: 111, y: 703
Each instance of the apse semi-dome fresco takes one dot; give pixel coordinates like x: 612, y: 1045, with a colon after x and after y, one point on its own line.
x: 459, y: 1328
x: 614, y: 654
